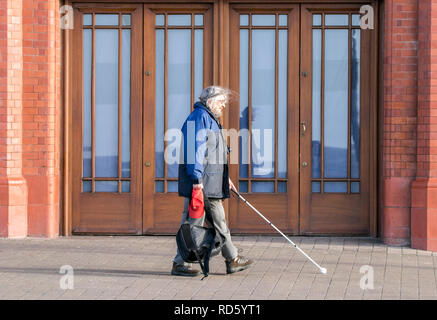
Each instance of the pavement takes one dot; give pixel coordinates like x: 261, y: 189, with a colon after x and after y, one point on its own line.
x: 138, y: 267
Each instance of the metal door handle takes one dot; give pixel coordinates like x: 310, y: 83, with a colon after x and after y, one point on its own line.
x: 304, y: 127
x: 147, y: 164
x: 304, y: 164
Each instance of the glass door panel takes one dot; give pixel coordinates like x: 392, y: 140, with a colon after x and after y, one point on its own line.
x: 106, y: 103
x: 263, y: 92
x: 179, y: 82
x: 335, y: 153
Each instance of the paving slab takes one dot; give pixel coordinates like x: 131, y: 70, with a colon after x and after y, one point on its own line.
x: 138, y: 267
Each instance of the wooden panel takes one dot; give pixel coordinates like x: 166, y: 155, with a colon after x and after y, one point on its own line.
x: 168, y: 210
x: 272, y: 206
x: 336, y: 213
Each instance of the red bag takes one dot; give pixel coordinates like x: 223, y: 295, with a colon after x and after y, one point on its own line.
x: 196, y: 208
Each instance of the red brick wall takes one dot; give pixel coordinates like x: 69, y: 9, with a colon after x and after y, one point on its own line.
x: 29, y: 117
x: 400, y: 116
x: 424, y: 191
x: 13, y: 189
x: 41, y: 113
x: 410, y: 124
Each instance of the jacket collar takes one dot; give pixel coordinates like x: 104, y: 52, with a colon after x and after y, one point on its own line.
x: 199, y: 104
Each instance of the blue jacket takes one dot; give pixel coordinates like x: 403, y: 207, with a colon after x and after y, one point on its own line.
x: 203, y: 155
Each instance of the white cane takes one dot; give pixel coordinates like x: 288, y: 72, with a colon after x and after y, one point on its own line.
x: 322, y: 270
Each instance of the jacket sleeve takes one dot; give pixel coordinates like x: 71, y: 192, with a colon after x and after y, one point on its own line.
x: 195, y: 140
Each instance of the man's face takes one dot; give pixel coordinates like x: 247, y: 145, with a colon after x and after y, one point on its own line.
x: 218, y: 104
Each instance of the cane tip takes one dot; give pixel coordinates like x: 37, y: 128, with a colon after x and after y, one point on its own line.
x: 323, y: 270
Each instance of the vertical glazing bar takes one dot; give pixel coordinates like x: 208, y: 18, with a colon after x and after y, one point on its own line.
x: 119, y: 103
x: 93, y: 108
x: 165, y: 95
x: 276, y: 101
x: 192, y: 62
x: 322, y: 110
x: 249, y: 124
x: 349, y: 90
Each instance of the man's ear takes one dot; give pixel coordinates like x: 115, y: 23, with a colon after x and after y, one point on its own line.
x: 208, y: 102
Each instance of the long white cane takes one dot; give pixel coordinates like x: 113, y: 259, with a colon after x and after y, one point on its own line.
x: 322, y: 270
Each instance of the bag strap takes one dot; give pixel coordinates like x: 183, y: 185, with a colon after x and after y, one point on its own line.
x: 202, y: 266
x: 186, y: 235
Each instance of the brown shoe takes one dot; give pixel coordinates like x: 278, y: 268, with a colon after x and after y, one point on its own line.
x: 238, y: 264
x: 181, y: 270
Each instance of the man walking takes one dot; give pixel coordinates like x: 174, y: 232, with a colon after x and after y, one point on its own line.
x: 205, y: 167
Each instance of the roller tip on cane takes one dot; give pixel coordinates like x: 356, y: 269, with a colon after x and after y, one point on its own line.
x: 323, y: 270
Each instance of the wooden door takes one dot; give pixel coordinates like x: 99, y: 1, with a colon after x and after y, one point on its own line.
x: 336, y: 130
x: 264, y: 70
x: 106, y: 122
x: 178, y: 64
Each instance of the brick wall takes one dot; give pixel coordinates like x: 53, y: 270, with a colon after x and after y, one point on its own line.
x: 13, y: 189
x: 424, y: 191
x: 41, y: 113
x: 29, y: 117
x: 400, y: 117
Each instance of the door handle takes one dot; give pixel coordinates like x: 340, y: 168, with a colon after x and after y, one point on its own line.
x: 304, y: 164
x: 304, y: 127
x: 147, y: 164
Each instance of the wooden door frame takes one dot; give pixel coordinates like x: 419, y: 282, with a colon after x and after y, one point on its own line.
x: 221, y: 77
